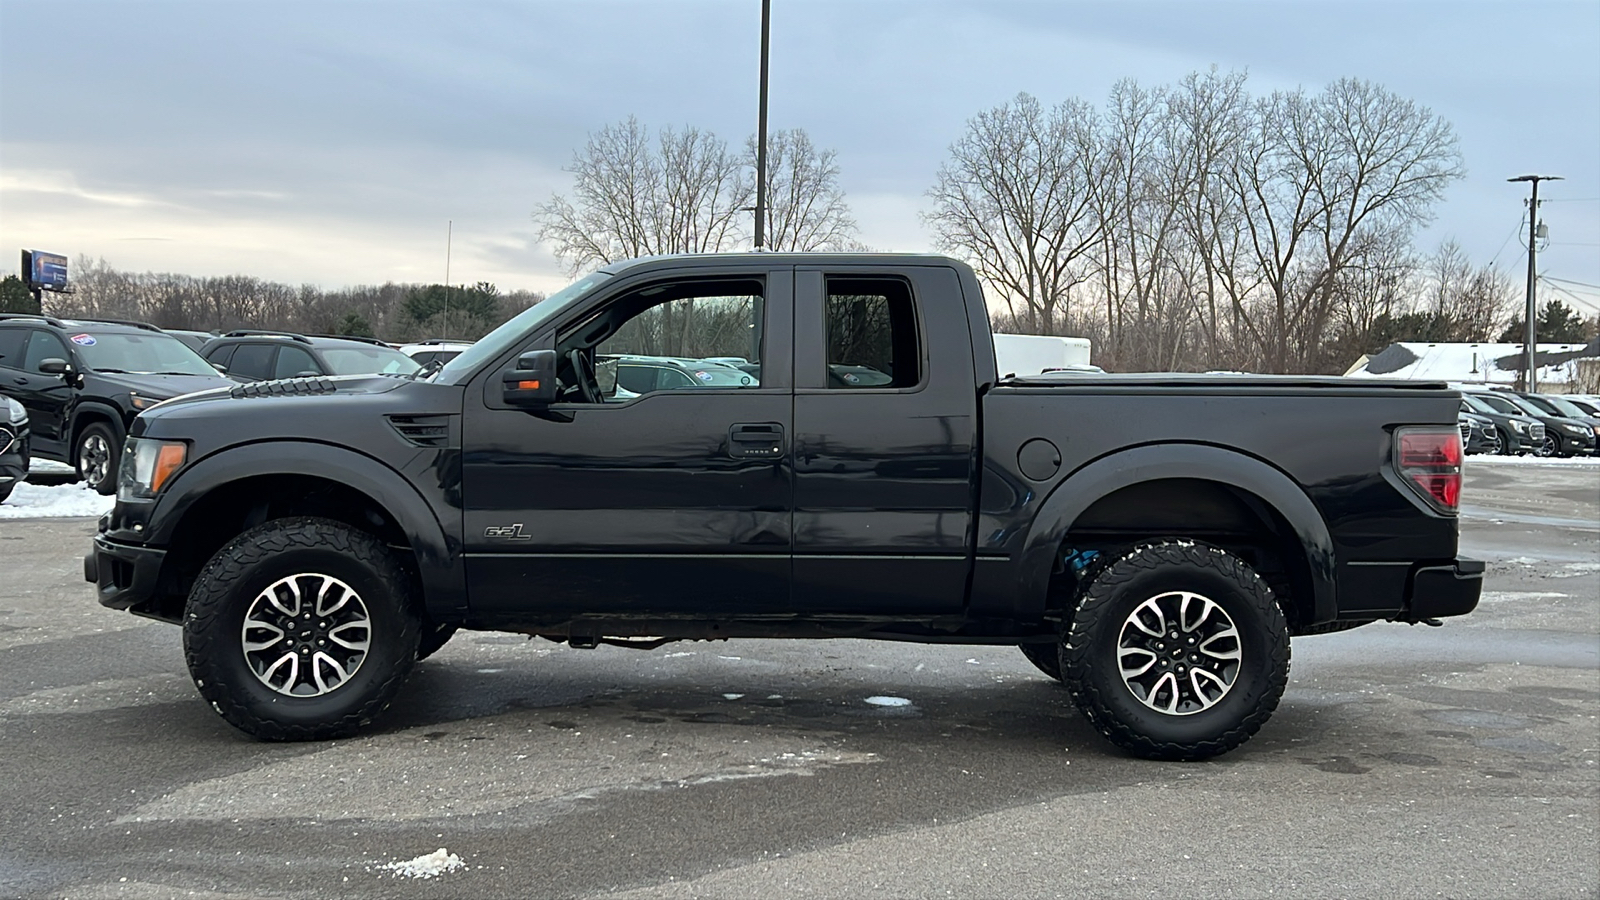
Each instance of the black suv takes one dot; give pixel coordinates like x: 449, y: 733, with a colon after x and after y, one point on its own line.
x: 1516, y: 432
x: 13, y: 445
x: 84, y: 380
x: 264, y: 355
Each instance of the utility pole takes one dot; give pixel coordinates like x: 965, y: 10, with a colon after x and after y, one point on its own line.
x: 1530, y: 382
x: 761, y: 133
x: 449, y: 232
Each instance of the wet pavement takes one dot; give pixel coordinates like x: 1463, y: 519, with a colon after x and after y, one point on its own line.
x: 1403, y: 761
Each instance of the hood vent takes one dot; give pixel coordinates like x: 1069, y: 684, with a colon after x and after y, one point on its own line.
x: 423, y: 431
x: 285, y: 387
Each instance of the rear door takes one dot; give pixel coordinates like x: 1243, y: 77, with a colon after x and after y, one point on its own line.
x: 884, y: 430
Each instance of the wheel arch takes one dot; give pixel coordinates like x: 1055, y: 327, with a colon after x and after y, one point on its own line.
x: 1194, y: 473
x: 231, y: 490
x: 86, y: 413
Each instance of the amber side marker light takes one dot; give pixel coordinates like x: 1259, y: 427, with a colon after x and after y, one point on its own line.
x: 527, y: 385
x: 169, y: 459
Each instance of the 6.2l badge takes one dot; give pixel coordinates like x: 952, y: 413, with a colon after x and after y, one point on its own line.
x: 507, y: 532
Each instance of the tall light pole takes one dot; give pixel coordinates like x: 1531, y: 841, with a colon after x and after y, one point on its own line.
x: 761, y: 133
x: 1529, y: 382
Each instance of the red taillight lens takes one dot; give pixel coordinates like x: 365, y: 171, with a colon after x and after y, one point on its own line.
x: 1431, y: 459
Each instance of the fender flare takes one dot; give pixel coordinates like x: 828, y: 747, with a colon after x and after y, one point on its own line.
x: 438, y: 562
x: 97, y: 409
x: 1096, y: 480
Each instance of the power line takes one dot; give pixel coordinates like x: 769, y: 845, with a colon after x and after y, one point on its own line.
x: 1514, y: 229
x: 1575, y: 298
x: 1570, y: 281
x: 1574, y: 200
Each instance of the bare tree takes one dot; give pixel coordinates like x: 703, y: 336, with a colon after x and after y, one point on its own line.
x: 806, y: 209
x: 1015, y: 200
x: 1316, y: 174
x: 630, y: 200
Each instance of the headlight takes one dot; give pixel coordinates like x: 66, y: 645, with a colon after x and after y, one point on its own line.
x: 1519, y: 426
x: 147, y: 466
x: 142, y: 402
x: 1576, y: 429
x: 17, y: 411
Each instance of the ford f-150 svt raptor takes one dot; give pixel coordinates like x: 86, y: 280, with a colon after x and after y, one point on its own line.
x: 1151, y: 540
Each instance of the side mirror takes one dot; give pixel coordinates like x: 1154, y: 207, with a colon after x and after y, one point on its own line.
x: 220, y: 368
x: 533, y: 382
x: 53, y: 366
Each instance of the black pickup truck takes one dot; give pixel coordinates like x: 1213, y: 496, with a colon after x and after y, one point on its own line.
x: 1151, y: 540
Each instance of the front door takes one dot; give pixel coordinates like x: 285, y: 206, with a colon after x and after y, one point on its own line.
x: 673, y: 498
x: 46, y: 396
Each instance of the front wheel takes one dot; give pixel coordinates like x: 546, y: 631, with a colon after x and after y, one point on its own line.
x: 301, y: 629
x: 98, y: 456
x: 1549, y: 447
x: 1177, y: 651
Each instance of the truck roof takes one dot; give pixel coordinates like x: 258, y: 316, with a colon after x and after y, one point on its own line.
x: 787, y: 258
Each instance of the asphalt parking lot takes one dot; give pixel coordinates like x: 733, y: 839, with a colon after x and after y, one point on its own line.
x: 1460, y: 761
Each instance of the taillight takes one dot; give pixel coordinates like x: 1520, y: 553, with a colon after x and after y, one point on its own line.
x: 1430, y: 459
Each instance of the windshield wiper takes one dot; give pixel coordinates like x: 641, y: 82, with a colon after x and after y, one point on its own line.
x: 196, y: 374
x: 112, y: 371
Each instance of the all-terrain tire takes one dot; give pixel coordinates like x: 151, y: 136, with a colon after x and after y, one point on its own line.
x: 308, y: 552
x: 1111, y: 626
x: 98, y: 455
x: 1045, y: 657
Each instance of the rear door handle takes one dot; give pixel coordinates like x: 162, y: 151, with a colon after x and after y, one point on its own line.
x: 755, y: 440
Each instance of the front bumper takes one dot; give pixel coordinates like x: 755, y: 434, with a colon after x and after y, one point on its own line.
x: 125, y: 576
x: 1439, y: 591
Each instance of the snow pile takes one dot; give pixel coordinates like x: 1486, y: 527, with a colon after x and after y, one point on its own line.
x: 428, y: 865
x: 888, y: 701
x: 1484, y: 459
x: 41, y: 466
x: 34, y: 501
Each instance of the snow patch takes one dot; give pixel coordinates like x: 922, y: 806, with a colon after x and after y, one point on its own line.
x: 428, y: 865
x: 48, y: 467
x: 1484, y: 459
x: 732, y: 696
x: 888, y: 701
x: 36, y: 501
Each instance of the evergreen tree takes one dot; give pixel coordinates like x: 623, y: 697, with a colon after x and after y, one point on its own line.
x: 16, y: 298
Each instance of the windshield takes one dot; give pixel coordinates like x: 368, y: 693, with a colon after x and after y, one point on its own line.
x: 1494, y: 404
x: 143, y: 354
x: 368, y: 361
x: 1565, y: 407
x: 514, y: 329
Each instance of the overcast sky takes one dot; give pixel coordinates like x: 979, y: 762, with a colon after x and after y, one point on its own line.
x: 330, y: 142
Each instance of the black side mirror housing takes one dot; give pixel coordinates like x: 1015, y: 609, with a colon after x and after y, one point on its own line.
x: 54, y: 366
x: 533, y: 382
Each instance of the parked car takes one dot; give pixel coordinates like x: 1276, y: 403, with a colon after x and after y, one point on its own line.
x: 1564, y: 435
x: 1589, y: 405
x: 195, y: 339
x: 13, y: 446
x: 84, y: 380
x: 1478, y: 433
x: 643, y: 374
x: 433, y: 353
x: 1516, y: 432
x: 252, y: 355
x: 1570, y: 415
x: 1151, y: 541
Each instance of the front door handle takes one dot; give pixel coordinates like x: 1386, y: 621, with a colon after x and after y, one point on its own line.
x: 755, y: 440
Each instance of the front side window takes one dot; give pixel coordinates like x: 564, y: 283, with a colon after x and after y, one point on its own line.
x: 872, y: 334
x: 678, y: 336
x: 293, y: 363
x: 252, y: 361
x: 42, y: 346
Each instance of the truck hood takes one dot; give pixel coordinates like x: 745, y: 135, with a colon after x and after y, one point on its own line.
x: 287, y: 389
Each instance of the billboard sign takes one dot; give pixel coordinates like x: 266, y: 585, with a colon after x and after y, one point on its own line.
x: 45, y: 271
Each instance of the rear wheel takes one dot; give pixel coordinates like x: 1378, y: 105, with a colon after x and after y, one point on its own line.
x: 98, y: 455
x: 1177, y: 651
x: 301, y: 629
